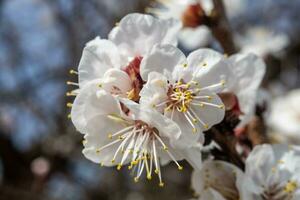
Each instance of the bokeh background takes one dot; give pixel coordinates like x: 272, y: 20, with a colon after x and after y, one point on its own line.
x: 41, y: 40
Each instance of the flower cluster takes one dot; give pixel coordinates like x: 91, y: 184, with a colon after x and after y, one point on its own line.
x: 272, y: 172
x: 141, y: 102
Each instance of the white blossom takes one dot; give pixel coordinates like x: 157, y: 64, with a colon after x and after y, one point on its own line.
x: 193, y: 34
x: 184, y: 89
x: 284, y: 119
x: 127, y: 133
x: 217, y: 180
x: 271, y: 172
x: 262, y: 41
x: 104, y: 61
x: 248, y: 71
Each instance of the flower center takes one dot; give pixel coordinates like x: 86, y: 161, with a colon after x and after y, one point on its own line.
x: 181, y: 96
x: 193, y: 16
x: 187, y: 98
x: 141, y: 145
x: 133, y: 71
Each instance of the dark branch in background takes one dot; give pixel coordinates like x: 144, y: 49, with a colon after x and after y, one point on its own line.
x: 220, y: 28
x: 223, y: 135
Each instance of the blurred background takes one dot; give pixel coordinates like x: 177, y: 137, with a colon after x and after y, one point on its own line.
x: 41, y: 40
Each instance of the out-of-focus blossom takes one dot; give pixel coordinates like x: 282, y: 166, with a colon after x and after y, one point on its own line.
x: 248, y: 71
x: 284, y: 120
x: 113, y: 64
x: 262, y: 41
x: 40, y: 166
x: 192, y: 15
x: 272, y: 172
x: 217, y: 180
x: 128, y: 133
x: 184, y: 89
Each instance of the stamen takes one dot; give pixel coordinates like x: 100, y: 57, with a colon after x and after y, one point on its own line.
x: 209, y: 104
x: 72, y: 83
x: 71, y: 94
x: 73, y: 72
x: 198, y: 118
x: 110, y: 136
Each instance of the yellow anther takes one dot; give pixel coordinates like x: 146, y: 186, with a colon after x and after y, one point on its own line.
x: 204, y: 64
x: 101, y: 164
x: 156, y: 171
x: 165, y: 148
x: 205, y: 126
x: 130, y: 167
x: 135, y: 162
x: 201, y: 105
x: 180, y: 167
x: 209, y: 98
x: 223, y: 82
x: 109, y: 136
x: 153, y: 106
x: 69, y: 116
x: 100, y: 85
x: 136, y: 179
x: 225, y: 55
x: 273, y: 169
x: 290, y: 187
x: 122, y: 151
x: 84, y: 142
x: 68, y: 94
x: 280, y: 162
x: 184, y: 65
x: 194, y: 130
x: 161, y: 184
x: 119, y: 166
x: 113, y: 161
x: 117, y: 23
x: 97, y: 151
x: 121, y: 137
x: 72, y: 71
x: 69, y: 105
x: 149, y: 177
x: 221, y: 106
x: 195, y: 121
x: 131, y: 94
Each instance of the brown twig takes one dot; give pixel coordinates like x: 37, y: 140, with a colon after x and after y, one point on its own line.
x: 218, y: 23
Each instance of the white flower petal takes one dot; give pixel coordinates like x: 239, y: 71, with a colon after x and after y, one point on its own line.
x: 210, y: 111
x: 162, y: 59
x: 98, y: 128
x: 136, y: 34
x: 188, y: 138
x: 98, y: 56
x: 116, y: 82
x: 91, y: 101
x: 207, y: 67
x: 218, y: 175
x: 211, y: 194
x: 193, y: 156
x: 249, y: 71
x: 154, y: 91
x: 193, y: 38
x: 166, y: 127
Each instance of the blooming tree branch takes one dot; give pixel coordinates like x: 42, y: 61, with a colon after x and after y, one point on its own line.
x: 219, y: 25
